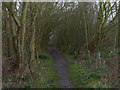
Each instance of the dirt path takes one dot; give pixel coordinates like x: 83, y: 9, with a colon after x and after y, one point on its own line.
x: 61, y: 66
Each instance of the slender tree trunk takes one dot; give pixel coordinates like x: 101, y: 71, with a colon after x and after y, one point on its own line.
x: 23, y: 30
x: 13, y: 34
x: 32, y: 56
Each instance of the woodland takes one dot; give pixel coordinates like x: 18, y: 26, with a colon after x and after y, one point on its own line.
x: 60, y: 44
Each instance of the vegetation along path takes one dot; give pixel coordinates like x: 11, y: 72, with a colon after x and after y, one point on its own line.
x: 61, y: 66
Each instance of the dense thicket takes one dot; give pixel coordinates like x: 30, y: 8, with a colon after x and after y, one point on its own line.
x: 31, y: 28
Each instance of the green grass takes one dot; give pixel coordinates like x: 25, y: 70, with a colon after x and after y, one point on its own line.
x: 43, y: 75
x: 83, y: 77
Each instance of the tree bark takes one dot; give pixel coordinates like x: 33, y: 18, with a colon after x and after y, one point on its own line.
x: 22, y: 35
x: 32, y: 56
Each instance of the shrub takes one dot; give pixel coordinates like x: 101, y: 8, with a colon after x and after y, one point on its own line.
x: 44, y: 56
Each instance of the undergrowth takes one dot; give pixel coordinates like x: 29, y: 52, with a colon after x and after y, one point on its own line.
x: 90, y: 72
x: 43, y: 75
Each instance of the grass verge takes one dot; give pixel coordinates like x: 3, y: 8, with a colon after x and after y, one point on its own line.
x: 43, y: 75
x: 86, y: 75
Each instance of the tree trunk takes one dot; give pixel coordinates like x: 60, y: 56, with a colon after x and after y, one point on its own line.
x: 32, y: 56
x: 22, y: 35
